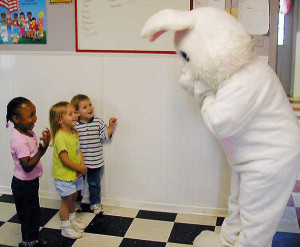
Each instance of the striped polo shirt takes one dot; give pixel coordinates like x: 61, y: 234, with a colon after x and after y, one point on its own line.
x: 91, y: 136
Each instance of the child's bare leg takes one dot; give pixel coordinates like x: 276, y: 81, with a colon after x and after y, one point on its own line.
x: 72, y: 214
x: 65, y: 207
x: 66, y: 212
x: 72, y: 206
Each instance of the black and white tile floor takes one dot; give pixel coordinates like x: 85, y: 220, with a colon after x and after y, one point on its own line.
x: 127, y: 227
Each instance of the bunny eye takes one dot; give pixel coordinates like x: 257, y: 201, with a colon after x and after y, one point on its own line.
x: 185, y: 56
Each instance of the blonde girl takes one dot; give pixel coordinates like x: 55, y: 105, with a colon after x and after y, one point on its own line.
x: 68, y: 165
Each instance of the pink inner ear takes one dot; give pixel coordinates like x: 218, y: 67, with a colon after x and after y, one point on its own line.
x: 156, y: 35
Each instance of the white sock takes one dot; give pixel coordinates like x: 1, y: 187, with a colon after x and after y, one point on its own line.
x: 65, y: 224
x: 72, y: 216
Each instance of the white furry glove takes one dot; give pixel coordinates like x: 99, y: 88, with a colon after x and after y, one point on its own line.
x: 201, y: 91
x: 194, y: 87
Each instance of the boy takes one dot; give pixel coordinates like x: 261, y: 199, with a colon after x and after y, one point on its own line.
x: 92, y: 131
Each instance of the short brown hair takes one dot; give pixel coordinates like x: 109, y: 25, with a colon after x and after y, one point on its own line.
x: 77, y: 99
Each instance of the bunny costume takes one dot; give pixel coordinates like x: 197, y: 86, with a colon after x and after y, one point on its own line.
x: 244, y: 105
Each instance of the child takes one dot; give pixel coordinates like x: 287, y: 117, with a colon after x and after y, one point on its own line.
x: 26, y: 153
x: 3, y: 23
x: 28, y: 21
x: 40, y: 23
x: 68, y: 165
x: 8, y: 23
x: 92, y: 131
x: 15, y: 29
x: 22, y: 22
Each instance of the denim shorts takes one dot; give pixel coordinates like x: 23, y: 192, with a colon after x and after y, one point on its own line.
x: 66, y: 188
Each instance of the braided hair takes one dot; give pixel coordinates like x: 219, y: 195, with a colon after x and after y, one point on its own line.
x: 12, y: 108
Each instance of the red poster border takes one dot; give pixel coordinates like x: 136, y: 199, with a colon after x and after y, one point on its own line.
x: 117, y: 51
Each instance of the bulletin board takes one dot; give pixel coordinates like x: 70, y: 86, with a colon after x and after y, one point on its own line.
x: 114, y: 26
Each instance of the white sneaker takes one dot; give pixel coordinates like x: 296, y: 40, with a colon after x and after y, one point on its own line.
x: 97, y: 208
x: 77, y: 224
x: 70, y: 232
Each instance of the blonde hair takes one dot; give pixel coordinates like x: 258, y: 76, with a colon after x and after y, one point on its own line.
x: 41, y: 14
x: 77, y: 99
x: 56, y: 113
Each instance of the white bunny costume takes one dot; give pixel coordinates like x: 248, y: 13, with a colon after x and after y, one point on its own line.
x: 244, y: 106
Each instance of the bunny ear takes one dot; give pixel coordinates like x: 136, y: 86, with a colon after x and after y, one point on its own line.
x: 167, y: 20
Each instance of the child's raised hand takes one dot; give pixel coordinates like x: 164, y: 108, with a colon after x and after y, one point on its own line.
x: 112, y: 121
x: 45, y: 140
x: 110, y: 128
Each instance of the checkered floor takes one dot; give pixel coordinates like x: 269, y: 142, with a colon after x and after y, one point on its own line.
x: 126, y: 227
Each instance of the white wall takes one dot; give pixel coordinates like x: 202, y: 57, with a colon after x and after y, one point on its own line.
x: 297, y: 54
x: 297, y: 66
x: 161, y: 156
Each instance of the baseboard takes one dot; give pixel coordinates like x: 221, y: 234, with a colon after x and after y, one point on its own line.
x: 164, y: 207
x: 144, y: 205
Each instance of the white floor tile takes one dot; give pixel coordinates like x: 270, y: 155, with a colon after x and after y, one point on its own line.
x: 90, y: 239
x: 217, y: 229
x: 296, y: 198
x: 85, y: 218
x: 7, y: 211
x: 154, y: 230
x: 177, y: 245
x: 48, y: 203
x: 10, y: 234
x: 54, y: 223
x: 118, y: 211
x: 196, y: 219
x: 289, y: 222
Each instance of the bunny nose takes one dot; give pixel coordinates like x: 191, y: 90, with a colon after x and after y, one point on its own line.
x: 183, y: 71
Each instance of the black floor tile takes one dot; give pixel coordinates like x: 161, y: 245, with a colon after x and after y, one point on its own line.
x: 15, y: 219
x: 127, y: 242
x: 186, y: 233
x: 151, y: 215
x: 109, y: 225
x: 1, y: 223
x: 220, y: 221
x: 46, y: 215
x: 86, y: 208
x: 54, y: 238
x: 286, y: 239
x: 7, y: 198
x: 1, y: 245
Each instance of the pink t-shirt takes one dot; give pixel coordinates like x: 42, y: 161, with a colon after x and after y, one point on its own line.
x: 24, y: 146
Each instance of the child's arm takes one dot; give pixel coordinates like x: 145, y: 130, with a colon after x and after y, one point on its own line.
x: 64, y: 157
x: 79, y: 175
x: 110, y: 128
x: 29, y: 163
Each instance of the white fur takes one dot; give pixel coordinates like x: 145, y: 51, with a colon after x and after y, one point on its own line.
x: 244, y: 105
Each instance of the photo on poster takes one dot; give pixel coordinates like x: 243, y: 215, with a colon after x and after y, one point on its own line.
x: 23, y: 22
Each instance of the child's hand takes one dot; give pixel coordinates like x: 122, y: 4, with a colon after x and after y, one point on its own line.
x: 45, y: 140
x: 110, y: 128
x: 79, y: 175
x: 82, y: 169
x: 112, y: 121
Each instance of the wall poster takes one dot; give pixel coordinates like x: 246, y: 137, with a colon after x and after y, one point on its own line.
x: 23, y: 22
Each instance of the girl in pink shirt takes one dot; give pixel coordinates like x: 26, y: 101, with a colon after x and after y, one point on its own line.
x: 26, y: 153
